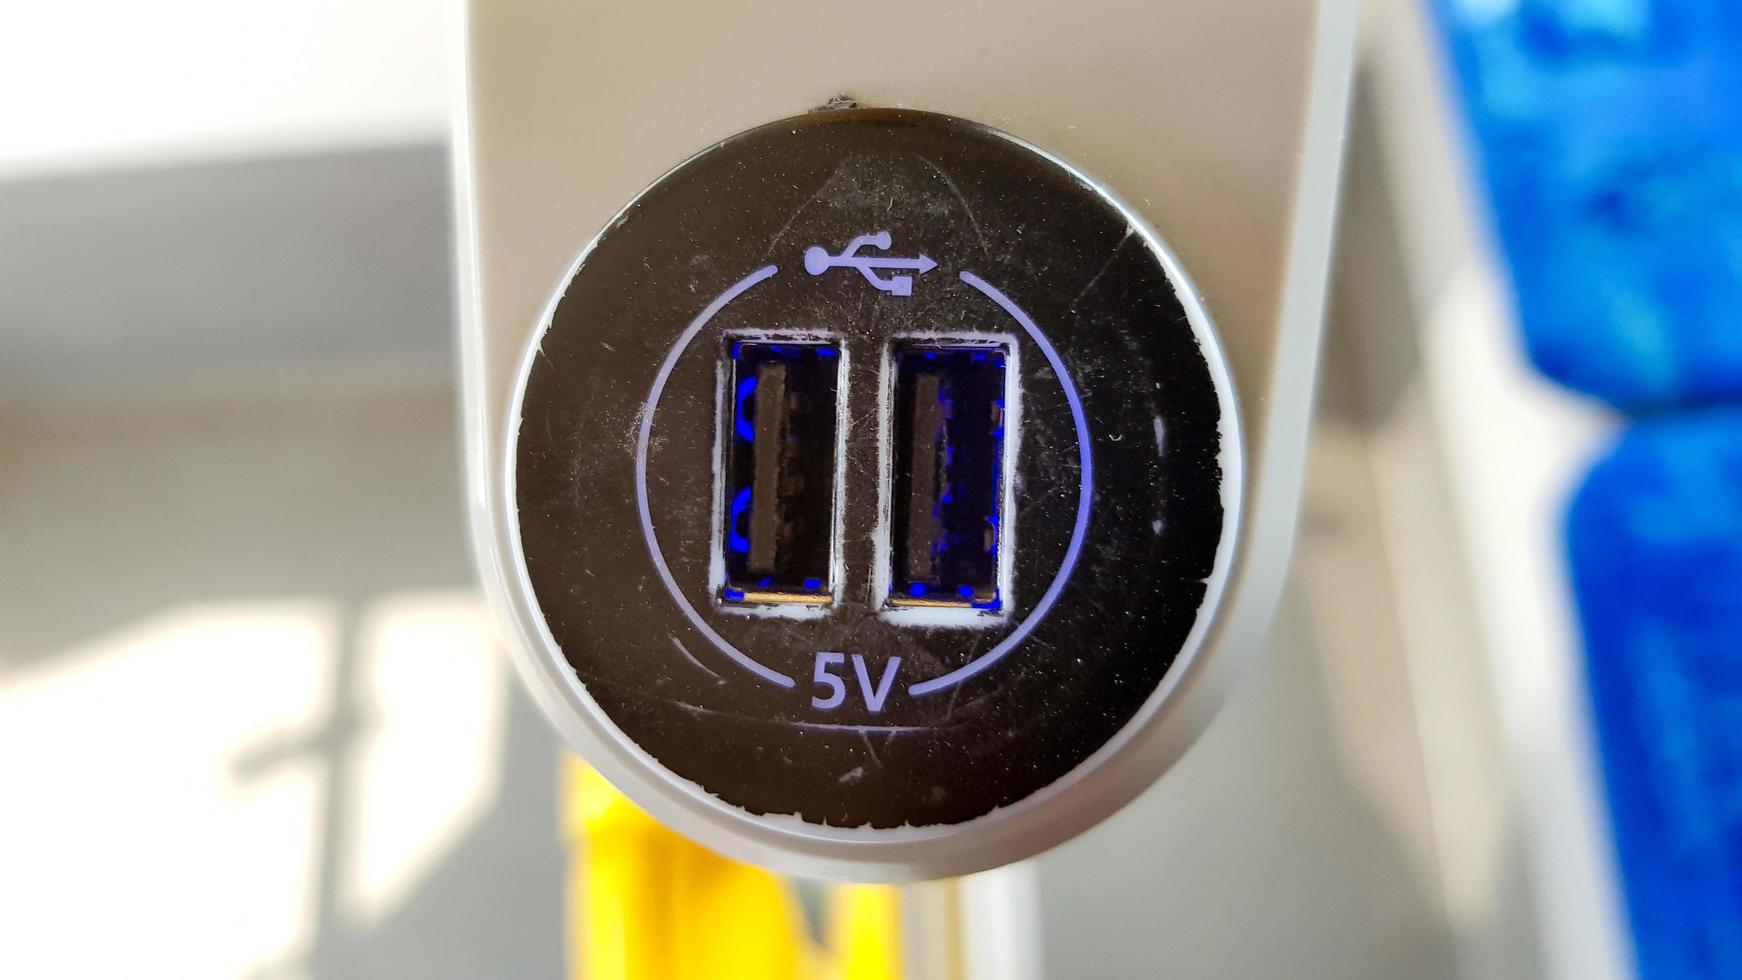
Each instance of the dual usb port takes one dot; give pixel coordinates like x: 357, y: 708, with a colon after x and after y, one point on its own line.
x: 943, y: 472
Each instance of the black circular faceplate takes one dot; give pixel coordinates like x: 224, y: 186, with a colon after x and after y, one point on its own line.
x: 850, y: 243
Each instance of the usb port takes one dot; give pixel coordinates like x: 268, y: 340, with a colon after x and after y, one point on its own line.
x: 946, y: 499
x: 778, y: 471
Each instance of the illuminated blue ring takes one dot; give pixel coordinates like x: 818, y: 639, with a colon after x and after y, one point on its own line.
x: 743, y: 660
x: 1085, y: 499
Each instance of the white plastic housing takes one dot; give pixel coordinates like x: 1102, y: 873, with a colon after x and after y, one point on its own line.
x: 1219, y: 121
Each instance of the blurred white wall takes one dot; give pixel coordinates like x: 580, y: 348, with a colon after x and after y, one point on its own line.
x: 253, y: 721
x: 195, y: 189
x: 108, y: 83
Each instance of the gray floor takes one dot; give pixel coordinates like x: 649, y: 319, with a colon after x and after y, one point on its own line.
x: 111, y: 516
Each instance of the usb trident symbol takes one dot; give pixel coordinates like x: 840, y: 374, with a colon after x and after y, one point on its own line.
x: 817, y: 261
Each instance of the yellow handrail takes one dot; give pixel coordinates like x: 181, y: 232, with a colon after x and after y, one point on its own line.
x: 647, y: 904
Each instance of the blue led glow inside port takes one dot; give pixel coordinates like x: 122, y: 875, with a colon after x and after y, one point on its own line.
x: 779, y: 431
x: 948, y: 463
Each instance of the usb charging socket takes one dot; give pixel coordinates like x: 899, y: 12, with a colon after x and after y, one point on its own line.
x: 945, y: 475
x: 948, y: 474
x: 778, y: 468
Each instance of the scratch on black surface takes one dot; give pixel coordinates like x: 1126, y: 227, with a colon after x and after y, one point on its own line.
x: 700, y: 711
x: 687, y: 655
x: 1129, y: 231
x: 985, y: 247
x: 871, y: 749
x: 772, y: 242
